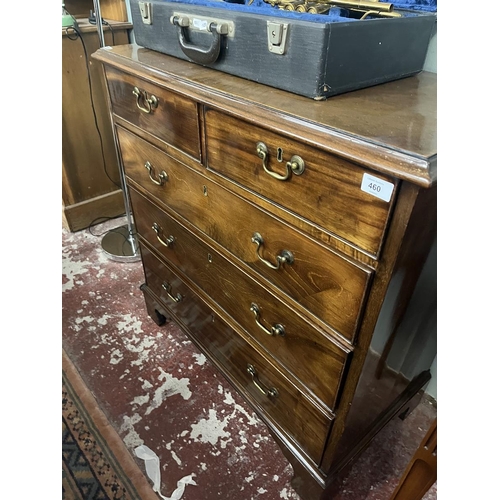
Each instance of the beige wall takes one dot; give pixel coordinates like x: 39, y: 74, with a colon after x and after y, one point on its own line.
x: 430, y: 63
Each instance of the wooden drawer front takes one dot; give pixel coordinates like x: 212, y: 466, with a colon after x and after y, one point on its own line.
x: 328, y: 192
x: 174, y: 120
x: 304, y: 350
x: 290, y: 410
x: 323, y: 282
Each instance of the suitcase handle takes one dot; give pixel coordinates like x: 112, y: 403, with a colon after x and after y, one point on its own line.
x: 197, y: 54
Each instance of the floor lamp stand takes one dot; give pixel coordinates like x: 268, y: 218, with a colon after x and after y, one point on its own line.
x: 120, y: 243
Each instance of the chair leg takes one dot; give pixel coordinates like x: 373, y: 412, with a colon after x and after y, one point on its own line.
x: 421, y: 472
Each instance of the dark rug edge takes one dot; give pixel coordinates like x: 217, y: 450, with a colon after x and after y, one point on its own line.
x: 105, y: 432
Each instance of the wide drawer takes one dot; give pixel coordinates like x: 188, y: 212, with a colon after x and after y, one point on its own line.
x: 325, y: 283
x: 304, y: 350
x: 164, y: 114
x: 268, y: 389
x: 327, y: 193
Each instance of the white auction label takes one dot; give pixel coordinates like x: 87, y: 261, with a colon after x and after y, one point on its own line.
x: 200, y: 24
x: 377, y: 187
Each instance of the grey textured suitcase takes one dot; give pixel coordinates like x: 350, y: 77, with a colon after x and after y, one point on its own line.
x: 314, y: 55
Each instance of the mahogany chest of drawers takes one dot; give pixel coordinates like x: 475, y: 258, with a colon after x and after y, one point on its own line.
x: 271, y: 228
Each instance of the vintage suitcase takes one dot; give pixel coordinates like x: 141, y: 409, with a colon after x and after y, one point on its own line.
x: 311, y: 54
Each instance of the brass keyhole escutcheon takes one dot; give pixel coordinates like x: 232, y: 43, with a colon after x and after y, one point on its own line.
x: 279, y: 154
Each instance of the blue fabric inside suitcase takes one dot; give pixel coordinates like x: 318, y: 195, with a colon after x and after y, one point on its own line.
x: 335, y: 14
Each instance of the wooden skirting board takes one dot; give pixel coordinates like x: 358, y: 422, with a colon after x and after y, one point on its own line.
x: 81, y: 215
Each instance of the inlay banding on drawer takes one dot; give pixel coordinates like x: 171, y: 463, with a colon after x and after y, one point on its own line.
x: 314, y: 358
x: 325, y: 190
x: 330, y: 286
x: 288, y: 408
x: 169, y: 116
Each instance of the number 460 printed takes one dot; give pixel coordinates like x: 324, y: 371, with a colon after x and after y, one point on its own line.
x: 377, y: 187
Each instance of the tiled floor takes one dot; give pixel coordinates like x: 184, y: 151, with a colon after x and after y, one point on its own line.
x: 157, y: 389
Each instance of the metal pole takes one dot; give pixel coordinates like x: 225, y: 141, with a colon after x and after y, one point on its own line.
x: 118, y: 244
x: 98, y: 22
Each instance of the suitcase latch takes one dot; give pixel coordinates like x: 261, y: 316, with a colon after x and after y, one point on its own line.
x: 276, y: 37
x: 146, y: 12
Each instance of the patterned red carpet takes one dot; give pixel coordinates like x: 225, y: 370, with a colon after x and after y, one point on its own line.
x: 156, y: 389
x: 96, y: 464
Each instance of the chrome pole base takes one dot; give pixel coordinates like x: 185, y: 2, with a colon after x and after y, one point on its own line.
x: 119, y: 244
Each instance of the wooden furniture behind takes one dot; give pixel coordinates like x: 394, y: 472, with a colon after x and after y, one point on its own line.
x: 115, y: 10
x: 421, y: 472
x: 271, y: 227
x: 90, y: 180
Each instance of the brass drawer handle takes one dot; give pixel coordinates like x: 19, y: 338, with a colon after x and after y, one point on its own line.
x: 167, y: 242
x: 168, y: 288
x: 150, y: 103
x: 295, y: 165
x: 272, y: 392
x: 276, y: 329
x: 162, y: 178
x: 286, y: 256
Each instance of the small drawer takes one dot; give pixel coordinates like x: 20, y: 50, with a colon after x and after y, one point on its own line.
x: 304, y: 350
x: 319, y: 186
x: 164, y: 114
x: 325, y: 283
x: 266, y: 387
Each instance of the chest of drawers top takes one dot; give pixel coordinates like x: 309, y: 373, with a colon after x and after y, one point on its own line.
x: 391, y: 128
